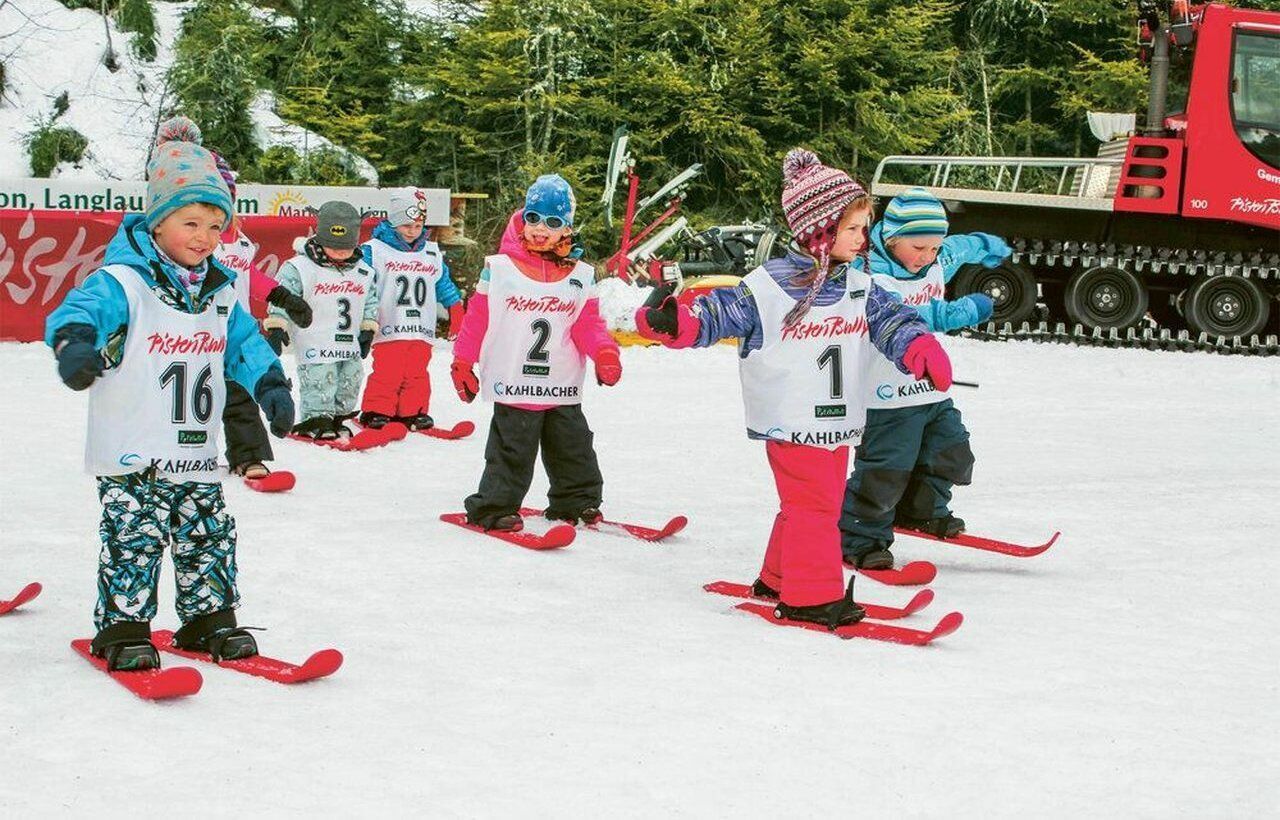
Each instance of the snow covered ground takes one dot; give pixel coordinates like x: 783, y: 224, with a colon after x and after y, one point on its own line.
x: 1129, y: 671
x: 48, y: 49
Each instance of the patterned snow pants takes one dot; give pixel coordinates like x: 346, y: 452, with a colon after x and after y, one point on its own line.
x: 141, y: 514
x: 329, y: 389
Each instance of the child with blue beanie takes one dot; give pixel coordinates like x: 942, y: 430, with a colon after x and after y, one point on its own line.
x: 153, y: 335
x: 915, y: 447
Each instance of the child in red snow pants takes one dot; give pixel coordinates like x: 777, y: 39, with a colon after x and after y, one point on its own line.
x: 399, y: 386
x: 802, y: 560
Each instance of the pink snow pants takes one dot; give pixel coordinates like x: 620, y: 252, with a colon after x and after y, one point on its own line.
x: 803, y: 560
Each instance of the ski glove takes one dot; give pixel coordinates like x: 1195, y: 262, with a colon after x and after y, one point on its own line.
x: 983, y: 306
x: 464, y: 380
x: 297, y: 308
x: 366, y: 342
x: 277, y: 338
x: 925, y: 357
x: 79, y: 362
x: 997, y: 250
x: 273, y: 396
x: 608, y: 367
x: 670, y: 322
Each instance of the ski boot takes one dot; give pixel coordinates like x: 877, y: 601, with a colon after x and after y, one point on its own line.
x: 943, y: 526
x: 319, y: 428
x: 762, y: 590
x: 217, y: 634
x: 126, y: 647
x: 374, y: 421
x: 251, y: 470
x: 419, y: 422
x: 340, y: 428
x: 511, y: 522
x: 841, y: 612
x: 587, y: 516
x: 872, y: 559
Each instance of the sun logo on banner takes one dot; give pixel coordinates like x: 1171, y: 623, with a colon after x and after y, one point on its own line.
x: 288, y: 203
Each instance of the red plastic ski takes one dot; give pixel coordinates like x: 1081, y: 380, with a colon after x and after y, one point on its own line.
x: 672, y: 527
x: 148, y: 684
x: 561, y: 535
x: 879, y: 612
x: 27, y: 593
x: 989, y: 544
x: 460, y: 430
x: 867, y: 629
x: 917, y: 573
x: 277, y: 481
x: 319, y: 665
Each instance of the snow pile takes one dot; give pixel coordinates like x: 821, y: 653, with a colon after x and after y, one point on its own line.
x: 618, y: 302
x: 49, y: 49
x: 1131, y: 668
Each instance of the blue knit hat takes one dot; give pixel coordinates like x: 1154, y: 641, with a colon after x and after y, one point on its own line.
x: 914, y: 212
x: 550, y: 195
x: 181, y: 173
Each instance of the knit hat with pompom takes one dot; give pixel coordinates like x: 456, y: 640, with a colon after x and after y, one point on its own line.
x: 181, y: 172
x: 814, y: 197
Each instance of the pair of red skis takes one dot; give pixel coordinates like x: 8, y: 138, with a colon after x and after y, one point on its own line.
x: 182, y: 681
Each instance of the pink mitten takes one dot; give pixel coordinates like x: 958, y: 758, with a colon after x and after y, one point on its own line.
x: 608, y: 367
x: 925, y: 356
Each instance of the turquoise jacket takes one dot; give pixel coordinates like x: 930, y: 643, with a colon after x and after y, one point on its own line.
x: 100, y: 303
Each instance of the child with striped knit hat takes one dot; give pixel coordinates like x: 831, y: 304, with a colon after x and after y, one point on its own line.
x: 915, y: 447
x: 807, y: 326
x: 154, y: 335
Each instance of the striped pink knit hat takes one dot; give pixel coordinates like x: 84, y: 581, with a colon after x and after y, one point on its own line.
x: 814, y: 197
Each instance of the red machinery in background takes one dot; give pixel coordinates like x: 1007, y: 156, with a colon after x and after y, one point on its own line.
x: 1175, y: 231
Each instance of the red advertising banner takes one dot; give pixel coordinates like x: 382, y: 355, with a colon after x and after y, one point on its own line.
x: 43, y: 254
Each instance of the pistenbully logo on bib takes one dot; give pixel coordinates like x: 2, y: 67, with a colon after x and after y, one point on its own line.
x: 829, y: 411
x: 201, y: 343
x: 345, y: 286
x: 926, y: 295
x: 541, y: 304
x: 829, y: 328
x: 192, y: 438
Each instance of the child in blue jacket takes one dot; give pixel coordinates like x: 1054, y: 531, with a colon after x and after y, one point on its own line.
x: 915, y: 447
x: 153, y: 335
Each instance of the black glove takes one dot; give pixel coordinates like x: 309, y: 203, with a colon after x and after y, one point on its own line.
x: 297, y: 308
x: 273, y: 396
x: 79, y: 362
x: 661, y: 310
x: 277, y: 338
x: 366, y: 341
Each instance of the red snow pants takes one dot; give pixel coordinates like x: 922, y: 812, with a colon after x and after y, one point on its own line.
x: 399, y: 384
x: 803, y: 560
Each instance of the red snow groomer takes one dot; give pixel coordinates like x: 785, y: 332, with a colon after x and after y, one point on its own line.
x: 1168, y: 239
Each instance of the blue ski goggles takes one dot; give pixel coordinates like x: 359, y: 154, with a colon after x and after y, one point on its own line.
x: 555, y: 223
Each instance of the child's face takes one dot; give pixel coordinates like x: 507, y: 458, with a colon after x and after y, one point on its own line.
x: 339, y: 254
x: 915, y: 253
x: 410, y: 232
x: 851, y: 234
x: 540, y: 238
x: 190, y: 234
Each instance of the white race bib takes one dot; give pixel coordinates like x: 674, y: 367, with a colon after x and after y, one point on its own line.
x: 528, y: 355
x: 162, y: 407
x: 889, y: 386
x: 406, y: 290
x: 805, y: 385
x: 337, y: 299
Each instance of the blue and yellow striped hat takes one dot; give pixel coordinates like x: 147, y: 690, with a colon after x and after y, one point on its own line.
x: 914, y: 212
